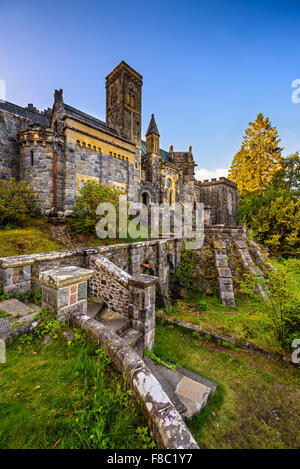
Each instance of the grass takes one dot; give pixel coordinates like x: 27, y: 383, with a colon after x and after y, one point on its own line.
x: 256, y: 404
x: 66, y: 395
x: 248, y: 320
x: 30, y: 239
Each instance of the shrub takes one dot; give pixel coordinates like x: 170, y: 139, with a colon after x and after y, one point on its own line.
x: 202, y: 305
x: 92, y: 194
x: 184, y: 277
x: 17, y: 202
x: 283, y: 308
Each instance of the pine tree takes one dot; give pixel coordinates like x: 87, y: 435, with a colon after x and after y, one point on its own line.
x: 254, y: 165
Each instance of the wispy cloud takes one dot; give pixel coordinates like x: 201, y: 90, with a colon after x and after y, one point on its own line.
x: 203, y: 173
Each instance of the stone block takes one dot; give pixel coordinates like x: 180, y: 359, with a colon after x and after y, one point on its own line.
x: 82, y: 291
x: 64, y: 276
x: 6, y: 276
x: 224, y: 272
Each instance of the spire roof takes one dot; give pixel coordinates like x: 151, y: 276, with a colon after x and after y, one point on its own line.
x: 152, y: 129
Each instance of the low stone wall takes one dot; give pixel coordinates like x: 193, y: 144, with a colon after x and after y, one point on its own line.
x: 166, y: 425
x: 160, y: 258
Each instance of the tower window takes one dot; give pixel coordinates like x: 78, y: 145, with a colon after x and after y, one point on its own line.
x: 31, y: 158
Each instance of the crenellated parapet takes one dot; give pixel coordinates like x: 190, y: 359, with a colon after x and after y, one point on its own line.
x: 221, y: 194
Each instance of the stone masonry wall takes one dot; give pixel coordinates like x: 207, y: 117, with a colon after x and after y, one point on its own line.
x: 222, y: 197
x: 110, y: 284
x: 83, y: 163
x: 157, y: 257
x: 10, y: 125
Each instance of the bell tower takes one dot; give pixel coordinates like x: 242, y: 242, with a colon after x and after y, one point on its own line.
x: 124, y: 102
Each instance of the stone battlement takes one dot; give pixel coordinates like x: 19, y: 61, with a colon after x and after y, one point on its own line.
x: 220, y: 180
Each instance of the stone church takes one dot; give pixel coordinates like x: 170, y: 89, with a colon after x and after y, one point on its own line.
x: 57, y: 150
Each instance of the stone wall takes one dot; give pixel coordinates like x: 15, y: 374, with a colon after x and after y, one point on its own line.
x: 158, y: 257
x: 10, y: 125
x: 222, y: 197
x: 84, y: 163
x: 110, y: 284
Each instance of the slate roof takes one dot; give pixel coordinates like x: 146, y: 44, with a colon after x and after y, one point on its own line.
x: 25, y: 113
x: 88, y: 119
x: 163, y: 153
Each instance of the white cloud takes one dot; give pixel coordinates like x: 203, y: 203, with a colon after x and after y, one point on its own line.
x: 203, y: 173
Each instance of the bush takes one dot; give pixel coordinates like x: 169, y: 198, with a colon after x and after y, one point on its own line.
x: 202, y: 305
x: 184, y: 277
x: 17, y: 202
x: 92, y: 194
x: 283, y: 308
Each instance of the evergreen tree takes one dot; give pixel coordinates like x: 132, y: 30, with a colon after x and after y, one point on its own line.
x: 254, y: 165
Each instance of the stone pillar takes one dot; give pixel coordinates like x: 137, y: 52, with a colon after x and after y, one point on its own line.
x: 178, y: 249
x: 16, y: 279
x: 135, y: 260
x: 64, y: 290
x: 162, y: 271
x: 142, y: 306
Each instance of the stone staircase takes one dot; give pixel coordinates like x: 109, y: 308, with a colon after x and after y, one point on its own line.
x: 224, y: 275
x: 188, y: 391
x: 117, y: 323
x: 252, y: 266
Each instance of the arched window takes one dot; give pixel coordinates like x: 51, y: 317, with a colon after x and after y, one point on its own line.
x: 146, y: 199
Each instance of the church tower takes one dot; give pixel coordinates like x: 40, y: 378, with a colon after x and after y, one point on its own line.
x: 124, y: 102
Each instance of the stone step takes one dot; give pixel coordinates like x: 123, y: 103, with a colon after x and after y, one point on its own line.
x: 134, y: 339
x: 165, y: 385
x: 114, y: 321
x: 188, y: 391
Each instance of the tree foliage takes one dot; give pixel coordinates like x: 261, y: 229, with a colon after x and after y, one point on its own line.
x: 91, y: 195
x: 273, y: 216
x: 254, y: 165
x: 17, y: 202
x: 288, y: 176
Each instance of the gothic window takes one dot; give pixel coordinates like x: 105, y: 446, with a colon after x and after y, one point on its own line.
x: 171, y: 197
x: 131, y: 96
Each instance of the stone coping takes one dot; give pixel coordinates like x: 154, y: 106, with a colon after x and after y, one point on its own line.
x: 29, y: 259
x: 166, y: 424
x: 142, y: 280
x: 116, y: 272
x: 64, y: 276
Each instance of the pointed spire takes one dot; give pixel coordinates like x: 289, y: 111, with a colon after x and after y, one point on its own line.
x: 152, y: 129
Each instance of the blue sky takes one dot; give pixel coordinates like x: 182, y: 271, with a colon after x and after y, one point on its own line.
x: 209, y: 66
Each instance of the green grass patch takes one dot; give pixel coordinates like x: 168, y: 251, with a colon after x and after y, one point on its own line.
x: 248, y: 320
x: 256, y: 402
x: 65, y: 395
x: 30, y: 239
